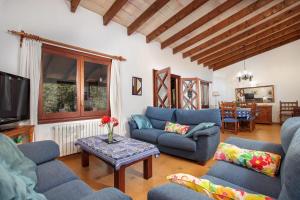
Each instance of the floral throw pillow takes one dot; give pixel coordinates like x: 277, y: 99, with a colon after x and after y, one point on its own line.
x: 260, y: 161
x: 217, y: 192
x: 176, y: 128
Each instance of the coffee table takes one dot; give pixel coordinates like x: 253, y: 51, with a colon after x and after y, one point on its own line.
x: 125, y: 152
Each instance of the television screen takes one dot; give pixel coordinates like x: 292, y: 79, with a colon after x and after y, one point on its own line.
x: 14, y: 98
x: 249, y: 96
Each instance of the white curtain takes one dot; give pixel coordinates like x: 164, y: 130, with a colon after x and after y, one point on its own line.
x: 116, y: 97
x: 30, y: 67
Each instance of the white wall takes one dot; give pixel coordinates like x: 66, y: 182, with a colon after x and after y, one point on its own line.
x: 279, y: 67
x: 52, y: 19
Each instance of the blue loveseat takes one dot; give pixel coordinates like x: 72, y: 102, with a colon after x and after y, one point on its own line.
x: 56, y: 181
x: 285, y: 186
x: 200, y: 147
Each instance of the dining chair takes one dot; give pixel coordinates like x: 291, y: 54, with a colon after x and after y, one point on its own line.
x: 286, y: 109
x: 251, y: 119
x: 296, y: 112
x: 229, y: 116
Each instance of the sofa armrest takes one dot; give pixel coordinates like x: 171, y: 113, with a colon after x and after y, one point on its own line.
x: 256, y: 145
x: 40, y: 152
x: 107, y: 194
x: 206, y: 132
x: 174, y: 192
x: 132, y: 125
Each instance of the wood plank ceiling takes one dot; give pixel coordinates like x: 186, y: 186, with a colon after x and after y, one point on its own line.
x: 215, y: 33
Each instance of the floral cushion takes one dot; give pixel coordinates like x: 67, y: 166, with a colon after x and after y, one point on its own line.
x: 176, y: 128
x: 260, y: 161
x: 217, y: 192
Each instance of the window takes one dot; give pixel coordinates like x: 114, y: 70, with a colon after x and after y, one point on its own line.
x: 73, y: 85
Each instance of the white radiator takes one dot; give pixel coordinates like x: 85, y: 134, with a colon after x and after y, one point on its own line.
x: 65, y: 135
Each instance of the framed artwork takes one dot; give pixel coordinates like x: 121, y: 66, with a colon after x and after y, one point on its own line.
x: 137, y: 86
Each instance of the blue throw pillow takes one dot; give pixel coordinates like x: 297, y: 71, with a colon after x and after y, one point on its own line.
x: 199, y: 127
x: 142, y: 121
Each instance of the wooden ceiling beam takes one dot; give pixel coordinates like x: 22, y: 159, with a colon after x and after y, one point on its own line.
x: 175, y: 19
x: 113, y: 10
x: 244, y: 25
x: 221, y: 25
x: 74, y: 5
x: 260, y: 27
x: 199, y: 22
x: 261, y: 49
x: 237, y: 46
x: 147, y: 14
x: 255, y: 44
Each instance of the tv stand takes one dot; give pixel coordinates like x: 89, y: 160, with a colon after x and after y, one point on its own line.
x: 21, y: 130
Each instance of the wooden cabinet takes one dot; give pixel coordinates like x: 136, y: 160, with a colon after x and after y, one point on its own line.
x: 264, y: 114
x: 26, y: 130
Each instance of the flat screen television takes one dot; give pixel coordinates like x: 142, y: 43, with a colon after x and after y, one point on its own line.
x: 249, y: 96
x: 14, y: 99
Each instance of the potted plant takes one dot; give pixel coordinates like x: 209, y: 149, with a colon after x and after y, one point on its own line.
x: 110, y: 123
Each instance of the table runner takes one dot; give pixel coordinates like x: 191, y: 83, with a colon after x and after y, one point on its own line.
x: 126, y: 151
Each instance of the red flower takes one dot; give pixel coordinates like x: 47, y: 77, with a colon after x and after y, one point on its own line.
x: 114, y: 121
x: 105, y: 120
x: 258, y: 162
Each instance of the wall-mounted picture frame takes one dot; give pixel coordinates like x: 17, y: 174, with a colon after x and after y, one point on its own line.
x: 137, y: 86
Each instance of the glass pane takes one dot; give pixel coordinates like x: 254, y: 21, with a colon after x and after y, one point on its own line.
x: 163, y: 91
x: 59, y: 83
x: 95, y: 86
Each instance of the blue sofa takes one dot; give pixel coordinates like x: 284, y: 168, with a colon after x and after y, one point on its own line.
x: 56, y: 181
x: 201, y: 147
x: 285, y: 186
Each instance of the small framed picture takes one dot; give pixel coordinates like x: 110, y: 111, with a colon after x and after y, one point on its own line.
x: 137, y: 86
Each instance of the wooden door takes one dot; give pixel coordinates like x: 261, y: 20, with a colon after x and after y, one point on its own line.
x: 190, y: 97
x: 162, y: 88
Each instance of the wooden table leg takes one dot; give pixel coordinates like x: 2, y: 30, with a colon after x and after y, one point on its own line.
x: 85, y: 161
x: 119, y: 178
x: 148, y: 168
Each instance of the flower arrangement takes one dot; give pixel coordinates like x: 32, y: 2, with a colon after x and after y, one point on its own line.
x: 110, y: 123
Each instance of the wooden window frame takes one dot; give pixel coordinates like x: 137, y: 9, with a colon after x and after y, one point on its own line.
x: 80, y: 114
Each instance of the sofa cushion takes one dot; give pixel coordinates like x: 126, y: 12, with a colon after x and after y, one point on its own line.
x: 52, y: 174
x: 175, y: 192
x: 195, y: 117
x: 149, y: 135
x: 291, y: 169
x: 177, y: 141
x: 256, y: 145
x: 107, y: 194
x: 199, y: 127
x: 176, y: 128
x: 288, y: 129
x: 142, y: 121
x: 74, y: 190
x: 246, y: 178
x: 159, y: 116
x: 206, y: 132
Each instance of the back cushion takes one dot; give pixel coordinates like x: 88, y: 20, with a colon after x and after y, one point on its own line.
x: 159, y: 116
x: 195, y: 117
x: 288, y: 129
x: 291, y: 170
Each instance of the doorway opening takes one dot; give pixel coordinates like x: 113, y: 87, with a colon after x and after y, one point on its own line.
x: 175, y: 91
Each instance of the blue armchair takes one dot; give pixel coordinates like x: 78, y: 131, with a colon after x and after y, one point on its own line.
x: 56, y: 181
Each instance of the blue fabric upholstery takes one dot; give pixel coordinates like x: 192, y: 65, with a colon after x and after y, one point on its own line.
x: 195, y: 117
x: 40, y: 152
x: 148, y: 135
x: 209, y: 131
x: 73, y: 190
x: 288, y: 129
x: 163, y: 114
x: 176, y: 141
x: 107, y: 194
x: 291, y: 171
x: 52, y: 169
x: 246, y: 178
x: 256, y: 145
x: 174, y: 192
x: 158, y: 124
x: 199, y: 127
x: 142, y: 121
